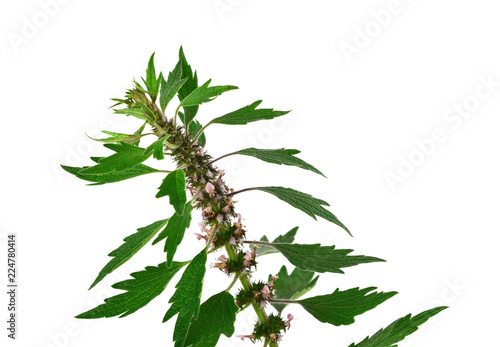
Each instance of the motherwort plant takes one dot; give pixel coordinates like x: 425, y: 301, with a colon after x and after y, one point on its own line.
x: 181, y: 138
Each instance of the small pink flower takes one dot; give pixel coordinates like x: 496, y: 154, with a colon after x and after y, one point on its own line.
x: 289, y: 317
x: 209, y: 174
x: 195, y: 177
x: 232, y: 240
x: 220, y: 218
x: 200, y: 196
x: 266, y: 292
x: 199, y: 236
x: 239, y: 217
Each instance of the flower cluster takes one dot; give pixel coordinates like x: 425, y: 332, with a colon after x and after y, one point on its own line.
x: 272, y: 330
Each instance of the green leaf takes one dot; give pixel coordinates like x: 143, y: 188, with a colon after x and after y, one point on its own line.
x: 398, y: 330
x: 217, y: 316
x: 321, y: 258
x: 340, y: 307
x: 157, y: 148
x: 293, y: 286
x: 137, y: 112
x: 118, y: 137
x: 304, y: 202
x: 126, y: 157
x: 145, y: 286
x: 289, y: 237
x: 248, y: 114
x: 188, y: 87
x: 174, y: 186
x: 171, y: 86
x: 279, y: 156
x: 135, y: 171
x: 132, y: 244
x: 194, y: 128
x: 174, y: 232
x: 204, y: 93
x: 186, y: 299
x: 151, y: 82
x: 138, y: 132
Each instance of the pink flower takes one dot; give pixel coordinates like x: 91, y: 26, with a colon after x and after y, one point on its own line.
x: 209, y: 187
x: 220, y: 218
x: 239, y: 217
x: 266, y: 292
x: 289, y: 317
x: 209, y: 174
x: 248, y: 257
x: 232, y: 240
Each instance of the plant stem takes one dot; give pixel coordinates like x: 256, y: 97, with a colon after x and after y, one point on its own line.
x: 225, y: 155
x: 241, y: 191
x: 283, y: 301
x: 245, y: 282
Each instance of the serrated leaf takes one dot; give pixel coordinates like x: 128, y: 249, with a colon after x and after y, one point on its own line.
x: 217, y: 316
x: 194, y: 128
x: 304, y: 202
x: 174, y: 186
x: 119, y: 137
x: 126, y: 157
x: 279, y: 156
x: 289, y: 237
x: 340, y: 307
x: 137, y: 112
x: 132, y: 244
x: 152, y: 83
x: 204, y: 93
x: 398, y: 330
x: 135, y: 171
x: 157, y: 148
x: 138, y: 132
x: 174, y: 232
x: 321, y: 258
x: 293, y: 286
x: 188, y: 87
x: 145, y: 286
x: 248, y: 114
x: 186, y: 299
x: 171, y: 86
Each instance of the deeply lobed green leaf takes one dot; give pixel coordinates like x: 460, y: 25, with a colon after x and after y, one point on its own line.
x: 321, y: 258
x: 248, y: 114
x: 292, y: 286
x: 217, y: 316
x: 145, y: 286
x: 304, y: 202
x: 174, y: 186
x: 279, y: 156
x: 204, y: 93
x: 398, y: 330
x: 340, y: 307
x: 188, y: 87
x: 289, y: 237
x: 187, y: 297
x: 132, y: 244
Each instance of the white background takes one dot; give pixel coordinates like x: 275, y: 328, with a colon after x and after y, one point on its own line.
x: 355, y: 116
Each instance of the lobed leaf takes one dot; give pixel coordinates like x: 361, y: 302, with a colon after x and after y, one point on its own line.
x: 152, y: 83
x: 188, y: 87
x: 174, y: 186
x: 157, y: 148
x: 186, y: 299
x: 321, y: 258
x: 204, y: 93
x: 171, y: 86
x: 287, y: 238
x: 145, y: 286
x: 279, y: 156
x: 340, y: 307
x: 398, y: 330
x: 293, y: 286
x: 118, y: 137
x: 137, y: 112
x: 126, y: 157
x: 132, y: 244
x: 248, y: 114
x: 112, y: 177
x: 174, y: 232
x: 217, y: 316
x: 304, y: 202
